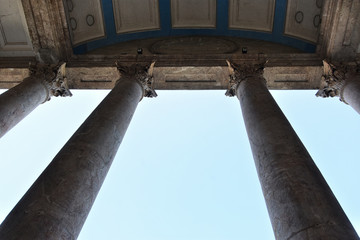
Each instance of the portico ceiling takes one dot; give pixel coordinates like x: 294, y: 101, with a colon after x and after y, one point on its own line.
x: 191, y: 38
x: 97, y: 23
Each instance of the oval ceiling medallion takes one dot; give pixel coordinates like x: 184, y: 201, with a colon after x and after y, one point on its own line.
x: 319, y: 3
x: 90, y: 20
x: 317, y: 20
x: 194, y: 45
x: 70, y: 5
x: 299, y: 16
x: 73, y: 24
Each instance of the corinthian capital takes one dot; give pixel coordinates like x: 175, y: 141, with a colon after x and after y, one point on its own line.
x: 53, y: 77
x: 238, y: 73
x: 142, y: 74
x: 332, y: 81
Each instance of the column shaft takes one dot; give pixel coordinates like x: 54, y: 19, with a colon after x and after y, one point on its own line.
x: 351, y: 92
x: 19, y: 101
x: 57, y: 204
x: 300, y: 203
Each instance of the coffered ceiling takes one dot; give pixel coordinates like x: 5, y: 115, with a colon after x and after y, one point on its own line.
x: 98, y: 23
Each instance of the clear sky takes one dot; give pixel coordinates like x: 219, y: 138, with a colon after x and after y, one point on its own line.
x: 184, y: 169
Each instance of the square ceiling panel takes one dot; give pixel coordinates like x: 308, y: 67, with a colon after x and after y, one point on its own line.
x: 14, y: 37
x: 193, y: 13
x: 303, y: 19
x: 136, y: 15
x: 255, y: 15
x: 85, y: 20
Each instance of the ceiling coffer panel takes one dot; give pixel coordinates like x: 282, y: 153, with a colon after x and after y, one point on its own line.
x: 86, y: 20
x: 14, y: 37
x: 303, y: 19
x: 255, y: 15
x: 193, y: 13
x: 136, y: 15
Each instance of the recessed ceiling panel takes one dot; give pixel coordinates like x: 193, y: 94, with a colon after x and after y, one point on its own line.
x: 252, y: 14
x: 136, y: 15
x: 14, y: 38
x: 193, y: 45
x: 85, y: 20
x: 193, y: 13
x: 303, y: 19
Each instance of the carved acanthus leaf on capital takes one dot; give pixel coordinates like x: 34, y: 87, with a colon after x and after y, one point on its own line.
x: 332, y: 80
x: 53, y: 77
x: 142, y: 74
x: 238, y: 73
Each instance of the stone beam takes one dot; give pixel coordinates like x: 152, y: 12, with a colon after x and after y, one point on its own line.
x: 339, y: 38
x: 283, y: 71
x: 178, y: 78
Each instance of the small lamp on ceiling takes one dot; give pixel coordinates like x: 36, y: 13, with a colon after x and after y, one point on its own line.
x: 244, y: 50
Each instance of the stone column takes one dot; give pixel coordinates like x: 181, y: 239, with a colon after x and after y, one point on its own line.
x: 342, y: 81
x: 57, y: 204
x: 43, y: 83
x: 300, y: 203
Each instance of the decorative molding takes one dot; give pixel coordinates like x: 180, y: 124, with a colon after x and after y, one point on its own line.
x: 136, y: 15
x: 90, y: 20
x: 303, y: 19
x: 299, y: 16
x: 317, y: 20
x: 193, y: 13
x: 73, y: 24
x: 144, y: 75
x: 319, y: 3
x: 86, y: 21
x: 251, y: 15
x: 70, y: 5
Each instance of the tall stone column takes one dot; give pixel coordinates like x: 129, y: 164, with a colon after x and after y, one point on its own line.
x: 57, y: 204
x: 342, y: 81
x: 300, y: 203
x: 43, y: 83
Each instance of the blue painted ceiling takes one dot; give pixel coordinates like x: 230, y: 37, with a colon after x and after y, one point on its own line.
x: 222, y: 28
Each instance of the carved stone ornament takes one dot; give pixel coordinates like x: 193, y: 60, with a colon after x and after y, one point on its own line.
x: 238, y: 73
x: 143, y: 75
x: 332, y: 81
x: 53, y: 77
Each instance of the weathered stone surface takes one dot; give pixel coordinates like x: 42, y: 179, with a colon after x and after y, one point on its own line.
x: 342, y: 80
x: 92, y: 77
x: 19, y: 101
x: 351, y: 92
x: 142, y: 74
x: 10, y: 77
x: 300, y: 203
x: 44, y: 82
x: 57, y: 204
x: 339, y: 35
x: 48, y: 29
x: 180, y: 77
x: 194, y: 45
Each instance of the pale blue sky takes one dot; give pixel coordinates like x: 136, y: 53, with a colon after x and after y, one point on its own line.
x: 184, y: 169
